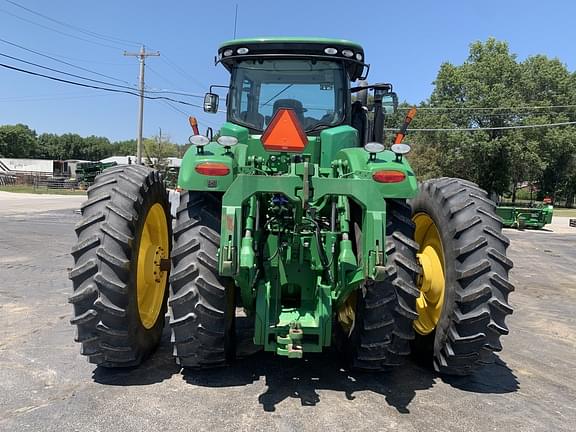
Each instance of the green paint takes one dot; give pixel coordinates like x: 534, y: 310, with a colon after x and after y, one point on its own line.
x: 298, y: 40
x: 189, y: 179
x: 336, y: 139
x: 286, y: 238
x: 528, y: 217
x: 234, y: 130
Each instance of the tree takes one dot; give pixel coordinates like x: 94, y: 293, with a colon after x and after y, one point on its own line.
x: 499, y: 159
x: 547, y: 82
x: 488, y: 78
x: 527, y: 163
x: 123, y: 148
x: 157, y: 151
x: 50, y: 147
x: 17, y: 141
x: 96, y: 148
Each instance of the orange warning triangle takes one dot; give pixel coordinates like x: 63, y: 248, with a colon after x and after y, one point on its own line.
x: 284, y: 133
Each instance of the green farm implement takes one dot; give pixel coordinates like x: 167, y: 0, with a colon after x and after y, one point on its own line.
x: 526, y: 217
x: 304, y: 217
x: 86, y: 172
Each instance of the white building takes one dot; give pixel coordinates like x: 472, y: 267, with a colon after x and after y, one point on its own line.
x: 173, y: 162
x: 35, y: 166
x: 120, y: 160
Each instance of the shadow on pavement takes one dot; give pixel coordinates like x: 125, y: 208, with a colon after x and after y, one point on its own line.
x: 302, y: 379
x: 495, y: 378
x: 159, y: 367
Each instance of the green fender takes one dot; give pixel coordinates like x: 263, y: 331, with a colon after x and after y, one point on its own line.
x: 358, y: 161
x: 189, y: 179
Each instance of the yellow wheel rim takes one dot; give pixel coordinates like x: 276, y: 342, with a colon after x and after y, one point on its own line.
x: 432, y: 282
x: 347, y: 313
x: 150, y: 278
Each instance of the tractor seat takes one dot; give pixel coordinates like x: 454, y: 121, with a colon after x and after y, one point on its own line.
x: 293, y: 104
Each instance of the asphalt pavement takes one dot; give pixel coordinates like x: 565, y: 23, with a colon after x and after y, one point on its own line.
x: 46, y: 385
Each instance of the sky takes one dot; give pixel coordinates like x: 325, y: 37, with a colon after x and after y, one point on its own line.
x: 405, y: 43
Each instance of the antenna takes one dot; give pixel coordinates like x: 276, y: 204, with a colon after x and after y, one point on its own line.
x: 235, y: 20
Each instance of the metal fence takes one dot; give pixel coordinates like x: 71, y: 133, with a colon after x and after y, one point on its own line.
x: 38, y: 181
x: 7, y: 180
x: 56, y: 183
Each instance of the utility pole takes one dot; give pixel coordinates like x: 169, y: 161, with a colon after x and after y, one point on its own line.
x: 159, y: 143
x: 142, y: 57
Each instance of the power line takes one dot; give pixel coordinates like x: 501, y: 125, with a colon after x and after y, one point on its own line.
x: 175, y: 92
x: 66, y: 81
x: 158, y: 91
x: 114, y: 90
x: 169, y: 81
x: 62, y: 61
x: 485, y: 128
x: 183, y: 72
x: 519, y: 108
x: 79, y: 29
x: 178, y: 92
x: 178, y: 110
x: 58, y: 31
x: 48, y: 98
x: 185, y: 114
x: 65, y: 73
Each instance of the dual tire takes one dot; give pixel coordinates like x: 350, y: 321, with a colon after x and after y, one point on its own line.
x: 121, y: 274
x: 446, y: 292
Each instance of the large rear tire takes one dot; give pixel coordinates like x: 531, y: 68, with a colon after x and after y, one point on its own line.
x: 201, y: 303
x: 120, y: 272
x: 464, y: 287
x: 384, y: 310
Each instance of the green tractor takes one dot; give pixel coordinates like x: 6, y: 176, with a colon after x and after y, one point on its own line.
x: 302, y: 217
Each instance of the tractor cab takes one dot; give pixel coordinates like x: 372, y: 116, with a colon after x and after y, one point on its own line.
x: 310, y: 77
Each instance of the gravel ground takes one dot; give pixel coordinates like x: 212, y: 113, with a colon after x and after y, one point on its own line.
x: 45, y: 385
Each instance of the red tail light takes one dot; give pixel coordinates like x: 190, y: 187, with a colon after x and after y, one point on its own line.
x: 388, y: 176
x: 212, y: 169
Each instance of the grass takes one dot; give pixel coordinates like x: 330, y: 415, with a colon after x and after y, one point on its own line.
x: 564, y: 212
x: 40, y: 191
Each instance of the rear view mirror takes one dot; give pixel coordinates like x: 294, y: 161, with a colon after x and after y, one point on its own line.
x: 389, y: 102
x: 211, y: 102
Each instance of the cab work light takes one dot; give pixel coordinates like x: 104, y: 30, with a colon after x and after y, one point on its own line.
x: 212, y: 169
x: 388, y: 176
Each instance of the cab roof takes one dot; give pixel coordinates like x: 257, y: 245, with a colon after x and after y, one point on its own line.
x: 292, y: 40
x: 277, y: 47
